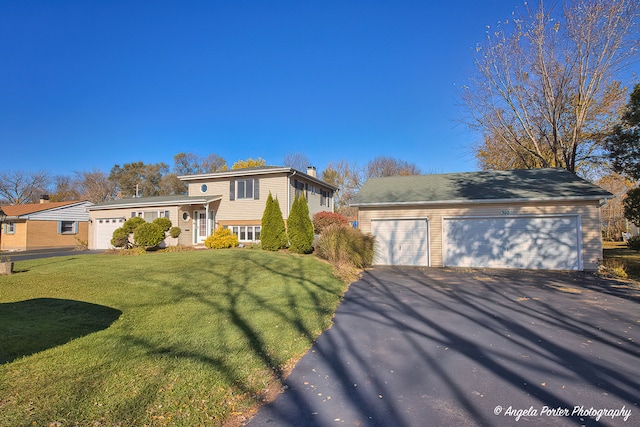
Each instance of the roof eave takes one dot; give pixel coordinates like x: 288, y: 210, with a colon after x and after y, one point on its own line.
x: 185, y: 201
x: 485, y: 201
x: 241, y: 172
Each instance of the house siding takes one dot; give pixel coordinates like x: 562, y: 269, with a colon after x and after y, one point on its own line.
x: 44, y: 234
x: 588, y: 211
x: 17, y: 240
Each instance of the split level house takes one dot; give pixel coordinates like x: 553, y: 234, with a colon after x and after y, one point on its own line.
x: 44, y: 225
x: 233, y: 199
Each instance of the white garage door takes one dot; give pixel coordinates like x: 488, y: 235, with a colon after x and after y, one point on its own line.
x: 401, y: 241
x: 548, y: 243
x: 104, y: 228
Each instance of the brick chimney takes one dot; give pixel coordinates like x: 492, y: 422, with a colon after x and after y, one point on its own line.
x: 311, y: 171
x: 44, y: 198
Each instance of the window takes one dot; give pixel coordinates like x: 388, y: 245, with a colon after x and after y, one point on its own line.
x: 244, y: 189
x: 250, y: 233
x: 67, y: 227
x: 203, y: 188
x: 149, y: 216
x: 10, y: 228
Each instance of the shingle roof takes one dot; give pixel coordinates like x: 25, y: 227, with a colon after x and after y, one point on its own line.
x: 153, y: 201
x: 485, y: 186
x: 18, y: 210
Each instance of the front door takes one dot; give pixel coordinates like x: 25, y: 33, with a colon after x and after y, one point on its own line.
x: 200, y: 225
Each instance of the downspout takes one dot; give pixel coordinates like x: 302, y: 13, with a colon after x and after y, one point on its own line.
x: 289, y: 192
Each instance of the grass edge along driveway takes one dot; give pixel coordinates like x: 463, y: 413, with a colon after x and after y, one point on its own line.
x: 187, y: 338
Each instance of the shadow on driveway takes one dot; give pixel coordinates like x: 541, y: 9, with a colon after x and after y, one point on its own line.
x: 415, y: 346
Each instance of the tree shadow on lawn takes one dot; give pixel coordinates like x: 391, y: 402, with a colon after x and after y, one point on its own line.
x: 35, y: 325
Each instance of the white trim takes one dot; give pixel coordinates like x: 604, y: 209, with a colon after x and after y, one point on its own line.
x: 135, y: 203
x: 482, y: 201
x: 578, y: 218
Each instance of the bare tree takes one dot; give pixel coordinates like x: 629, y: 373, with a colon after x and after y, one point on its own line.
x: 348, y: 178
x: 19, y: 187
x: 66, y: 189
x: 612, y: 213
x: 95, y: 186
x: 297, y: 161
x: 383, y: 166
x: 545, y: 91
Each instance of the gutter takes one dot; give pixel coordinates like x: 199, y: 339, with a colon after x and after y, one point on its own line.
x: 483, y: 201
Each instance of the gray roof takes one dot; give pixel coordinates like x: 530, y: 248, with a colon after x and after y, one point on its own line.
x: 153, y: 201
x: 479, y: 187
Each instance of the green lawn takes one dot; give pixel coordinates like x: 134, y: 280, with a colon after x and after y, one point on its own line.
x: 620, y: 251
x: 187, y: 338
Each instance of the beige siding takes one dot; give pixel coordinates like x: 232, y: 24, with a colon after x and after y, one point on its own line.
x: 313, y: 199
x: 589, y: 213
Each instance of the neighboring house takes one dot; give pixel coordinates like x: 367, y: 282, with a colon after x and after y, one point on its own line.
x: 535, y: 219
x: 44, y: 225
x: 232, y: 199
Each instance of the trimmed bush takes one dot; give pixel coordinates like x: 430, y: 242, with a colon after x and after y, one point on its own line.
x: 120, y: 238
x: 300, y: 228
x: 163, y: 223
x: 273, y: 234
x: 322, y: 220
x: 148, y: 235
x: 132, y: 223
x: 634, y: 243
x: 222, y: 238
x: 175, y: 232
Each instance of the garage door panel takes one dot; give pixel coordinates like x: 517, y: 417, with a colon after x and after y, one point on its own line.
x: 104, y: 228
x: 401, y: 242
x: 529, y: 242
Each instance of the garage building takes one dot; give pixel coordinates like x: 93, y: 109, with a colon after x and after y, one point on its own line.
x: 532, y: 219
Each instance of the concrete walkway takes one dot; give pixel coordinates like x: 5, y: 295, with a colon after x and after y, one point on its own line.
x: 416, y: 347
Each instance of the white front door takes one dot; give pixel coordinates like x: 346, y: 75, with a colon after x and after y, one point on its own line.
x: 200, y: 226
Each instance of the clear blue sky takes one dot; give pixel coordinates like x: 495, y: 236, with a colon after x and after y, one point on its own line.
x: 89, y: 84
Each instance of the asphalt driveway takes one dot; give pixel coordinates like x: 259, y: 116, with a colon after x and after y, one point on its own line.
x: 416, y: 347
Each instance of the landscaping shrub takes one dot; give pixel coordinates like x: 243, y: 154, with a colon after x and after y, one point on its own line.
x: 300, y: 228
x: 175, y: 232
x: 611, y: 267
x: 148, y: 235
x: 163, y: 223
x: 322, y: 220
x: 347, y: 249
x: 132, y: 223
x: 634, y: 243
x: 120, y: 238
x: 273, y: 234
x: 222, y: 238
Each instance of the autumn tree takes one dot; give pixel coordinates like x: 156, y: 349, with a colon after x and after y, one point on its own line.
x: 545, y: 92
x: 192, y: 164
x: 138, y: 179
x: 20, y: 187
x: 249, y: 163
x: 624, y: 142
x: 348, y: 178
x: 383, y: 166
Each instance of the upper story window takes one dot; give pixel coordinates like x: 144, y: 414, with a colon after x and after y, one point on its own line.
x: 244, y: 189
x: 203, y: 188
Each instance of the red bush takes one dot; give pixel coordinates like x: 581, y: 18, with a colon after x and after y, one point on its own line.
x: 322, y: 220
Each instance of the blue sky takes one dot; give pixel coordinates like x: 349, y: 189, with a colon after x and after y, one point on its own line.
x: 89, y: 84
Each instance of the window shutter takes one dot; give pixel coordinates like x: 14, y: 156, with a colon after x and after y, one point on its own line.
x: 59, y: 227
x: 232, y: 190
x: 256, y: 189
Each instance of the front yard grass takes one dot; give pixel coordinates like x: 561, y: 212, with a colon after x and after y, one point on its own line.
x: 187, y: 338
x: 620, y: 251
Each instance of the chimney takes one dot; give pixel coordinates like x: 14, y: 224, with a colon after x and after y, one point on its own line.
x: 44, y: 198
x: 311, y: 171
